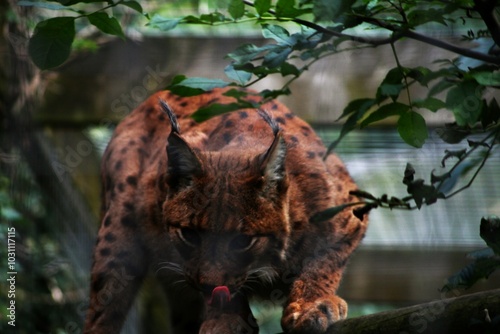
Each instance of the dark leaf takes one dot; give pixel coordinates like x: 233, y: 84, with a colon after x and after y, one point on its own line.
x: 452, y: 154
x: 362, y: 194
x: 240, y: 77
x: 453, y: 134
x: 162, y: 23
x: 421, y: 16
x: 248, y: 52
x: 487, y: 78
x: 391, y: 86
x: 429, y: 103
x: 106, y: 24
x: 217, y: 109
x: 287, y: 9
x: 134, y: 5
x: 279, y: 34
x: 465, y: 101
x: 362, y: 211
x: 491, y: 114
x: 262, y: 6
x: 409, y: 174
x: 465, y: 278
x: 236, y: 9
x: 439, y: 178
x: 328, y: 213
x: 50, y: 44
x: 490, y: 232
x: 289, y: 69
x: 336, y: 11
x: 276, y: 58
x: 385, y: 111
x: 356, y: 110
x: 412, y: 128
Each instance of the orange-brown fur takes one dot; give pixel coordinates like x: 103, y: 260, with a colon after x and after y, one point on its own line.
x: 186, y: 227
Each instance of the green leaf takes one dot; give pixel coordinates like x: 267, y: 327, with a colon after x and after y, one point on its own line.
x: 421, y: 16
x: 215, y: 109
x: 487, y: 78
x: 453, y: 134
x: 328, y: 10
x: 412, y: 129
x: 106, y: 24
x: 289, y: 69
x: 262, y: 6
x: 359, y: 105
x: 163, y: 23
x: 44, y: 5
x: 236, y: 9
x: 391, y: 86
x: 134, y: 5
x: 385, y: 111
x: 440, y: 87
x: 465, y: 101
x: 203, y: 83
x: 430, y: 103
x: 241, y: 77
x: 287, y: 9
x: 356, y: 110
x: 277, y: 57
x: 278, y: 33
x: 50, y: 44
x: 247, y: 52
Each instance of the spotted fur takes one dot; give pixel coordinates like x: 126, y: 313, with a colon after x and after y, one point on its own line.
x: 226, y: 202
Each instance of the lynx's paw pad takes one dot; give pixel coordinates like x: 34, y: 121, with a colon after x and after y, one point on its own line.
x: 228, y: 324
x: 313, y: 317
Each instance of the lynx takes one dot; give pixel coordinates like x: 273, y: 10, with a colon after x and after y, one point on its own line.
x: 220, y: 212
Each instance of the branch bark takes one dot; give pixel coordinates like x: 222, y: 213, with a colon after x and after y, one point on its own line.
x: 465, y: 314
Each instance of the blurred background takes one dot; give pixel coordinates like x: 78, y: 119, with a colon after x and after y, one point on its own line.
x: 49, y: 174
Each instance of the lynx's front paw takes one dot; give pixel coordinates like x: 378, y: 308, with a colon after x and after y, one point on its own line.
x: 313, y: 317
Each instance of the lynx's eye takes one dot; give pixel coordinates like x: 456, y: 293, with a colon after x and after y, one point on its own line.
x: 242, y: 243
x: 189, y: 236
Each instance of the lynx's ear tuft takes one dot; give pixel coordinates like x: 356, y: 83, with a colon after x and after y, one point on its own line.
x: 183, y: 163
x: 273, y: 161
x: 171, y: 116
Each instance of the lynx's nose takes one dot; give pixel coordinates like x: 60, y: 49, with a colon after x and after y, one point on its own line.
x: 220, y: 297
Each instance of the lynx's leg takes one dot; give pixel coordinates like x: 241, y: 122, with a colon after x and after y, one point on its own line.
x: 313, y: 305
x: 117, y: 273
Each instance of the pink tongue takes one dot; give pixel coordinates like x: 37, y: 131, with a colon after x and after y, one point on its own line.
x: 220, y: 296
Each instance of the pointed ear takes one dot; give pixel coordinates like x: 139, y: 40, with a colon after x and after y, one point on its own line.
x: 272, y: 164
x: 183, y: 163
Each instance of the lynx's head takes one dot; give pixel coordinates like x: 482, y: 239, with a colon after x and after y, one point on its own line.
x: 226, y: 211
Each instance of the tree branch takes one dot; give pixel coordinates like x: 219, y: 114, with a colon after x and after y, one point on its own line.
x: 399, y: 33
x: 466, y: 314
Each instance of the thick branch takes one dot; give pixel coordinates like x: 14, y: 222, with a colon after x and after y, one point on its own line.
x: 454, y: 315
